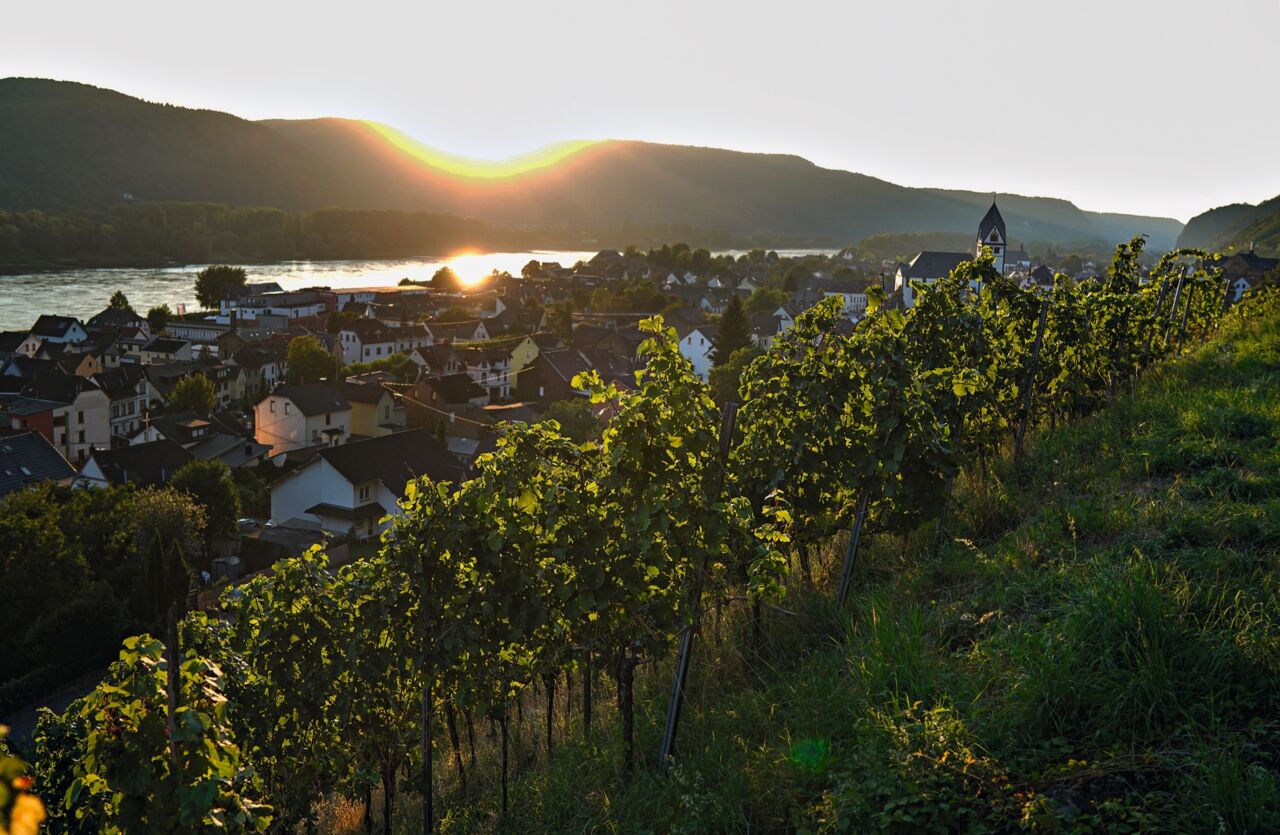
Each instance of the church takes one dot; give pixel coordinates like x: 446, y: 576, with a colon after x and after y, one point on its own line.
x: 931, y: 265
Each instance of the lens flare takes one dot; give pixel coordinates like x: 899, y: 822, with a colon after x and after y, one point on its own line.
x: 477, y: 168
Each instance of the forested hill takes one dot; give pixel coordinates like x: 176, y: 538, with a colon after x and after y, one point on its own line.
x: 71, y: 146
x: 1229, y: 226
x: 1236, y: 228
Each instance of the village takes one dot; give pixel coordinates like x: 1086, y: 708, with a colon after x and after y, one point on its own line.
x: 414, y: 378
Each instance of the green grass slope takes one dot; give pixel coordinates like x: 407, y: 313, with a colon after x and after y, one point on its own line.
x: 1092, y: 645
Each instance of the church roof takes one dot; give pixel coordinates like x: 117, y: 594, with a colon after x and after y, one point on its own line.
x: 930, y: 264
x: 992, y: 220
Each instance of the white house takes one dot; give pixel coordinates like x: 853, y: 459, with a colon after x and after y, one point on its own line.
x: 59, y: 329
x: 366, y: 340
x: 312, y: 414
x: 696, y: 346
x: 352, y: 488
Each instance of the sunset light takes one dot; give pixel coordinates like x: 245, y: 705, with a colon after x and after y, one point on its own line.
x: 544, y: 157
x: 472, y: 268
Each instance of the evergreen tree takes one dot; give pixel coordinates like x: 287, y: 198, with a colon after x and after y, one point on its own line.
x: 735, y: 331
x: 119, y: 301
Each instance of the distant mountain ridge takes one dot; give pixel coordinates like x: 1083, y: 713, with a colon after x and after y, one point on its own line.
x: 66, y: 146
x: 1236, y: 227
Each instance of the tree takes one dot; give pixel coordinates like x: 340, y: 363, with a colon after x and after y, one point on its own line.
x: 560, y: 320
x: 119, y: 301
x: 446, y: 279
x: 766, y: 300
x: 531, y: 270
x: 158, y: 317
x: 193, y: 393
x: 307, y: 360
x: 577, y: 422
x: 725, y: 378
x: 734, y: 332
x: 210, y: 484
x: 212, y: 283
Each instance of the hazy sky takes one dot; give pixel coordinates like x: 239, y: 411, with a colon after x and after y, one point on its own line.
x: 1155, y: 106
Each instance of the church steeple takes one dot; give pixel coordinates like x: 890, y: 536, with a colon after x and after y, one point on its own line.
x: 992, y: 233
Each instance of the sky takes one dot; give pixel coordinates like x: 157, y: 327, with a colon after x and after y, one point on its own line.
x: 1162, y: 107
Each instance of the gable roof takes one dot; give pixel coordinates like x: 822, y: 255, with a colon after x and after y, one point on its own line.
x: 455, y: 388
x: 992, y: 221
x: 28, y: 458
x: 61, y: 388
x: 394, y: 459
x: 931, y: 264
x: 314, y: 398
x: 54, y: 326
x: 115, y: 317
x: 150, y: 464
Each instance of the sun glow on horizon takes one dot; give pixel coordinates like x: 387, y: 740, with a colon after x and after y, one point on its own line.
x: 479, y: 169
x: 472, y: 268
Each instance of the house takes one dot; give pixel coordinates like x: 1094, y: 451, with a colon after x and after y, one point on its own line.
x: 29, y: 458
x: 126, y: 387
x: 1246, y: 270
x: 165, y: 349
x: 210, y: 437
x: 310, y: 414
x: 926, y: 268
x: 350, y: 489
x: 116, y: 318
x: 262, y: 369
x: 375, y: 411
x: 26, y: 414
x: 59, y: 329
x: 521, y: 356
x: 696, y: 346
x: 81, y: 418
x: 147, y: 465
x: 490, y: 367
x: 764, y: 327
x: 366, y: 340
x: 18, y: 343
x: 437, y: 398
x: 234, y: 294
x: 460, y: 332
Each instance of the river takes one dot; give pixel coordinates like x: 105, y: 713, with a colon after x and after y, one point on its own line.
x: 82, y: 293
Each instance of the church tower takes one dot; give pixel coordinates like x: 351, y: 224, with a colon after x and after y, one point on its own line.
x: 991, y: 233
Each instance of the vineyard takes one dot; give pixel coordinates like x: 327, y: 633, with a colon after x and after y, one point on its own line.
x: 804, y: 605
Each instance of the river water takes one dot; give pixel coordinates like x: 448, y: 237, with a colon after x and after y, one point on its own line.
x: 82, y: 293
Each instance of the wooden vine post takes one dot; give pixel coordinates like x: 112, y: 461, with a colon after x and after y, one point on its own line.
x: 727, y: 418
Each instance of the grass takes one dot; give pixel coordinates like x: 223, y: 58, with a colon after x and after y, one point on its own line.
x: 1095, y: 646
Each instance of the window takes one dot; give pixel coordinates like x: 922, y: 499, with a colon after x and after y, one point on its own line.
x: 81, y: 436
x: 273, y: 407
x: 328, y: 419
x: 79, y: 417
x: 286, y: 407
x: 364, y: 492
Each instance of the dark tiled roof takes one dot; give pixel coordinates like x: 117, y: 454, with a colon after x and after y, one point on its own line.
x: 120, y: 382
x: 370, y: 392
x: 314, y: 398
x: 370, y: 330
x: 55, y: 326
x: 150, y: 464
x: 455, y: 388
x: 165, y: 345
x: 930, y: 264
x: 10, y: 340
x: 992, y: 220
x: 62, y: 388
x: 114, y: 317
x: 373, y: 510
x: 28, y: 458
x: 394, y: 459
